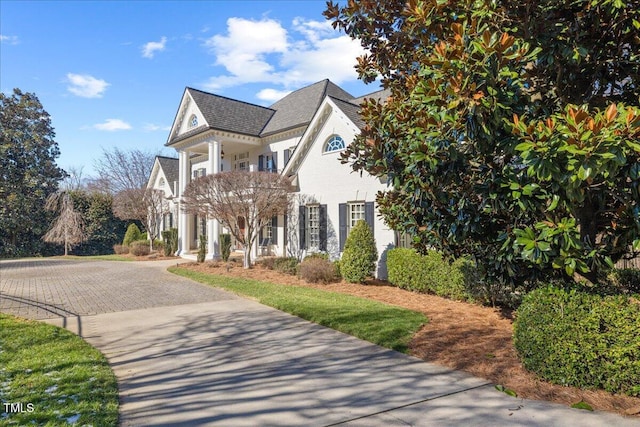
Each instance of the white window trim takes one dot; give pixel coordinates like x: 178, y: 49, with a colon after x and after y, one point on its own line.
x: 328, y: 140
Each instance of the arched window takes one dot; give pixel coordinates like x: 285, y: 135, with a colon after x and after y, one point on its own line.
x: 193, y: 121
x: 335, y: 143
x: 162, y: 182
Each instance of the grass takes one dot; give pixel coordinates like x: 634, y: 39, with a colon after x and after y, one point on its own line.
x: 64, y: 379
x: 386, y: 325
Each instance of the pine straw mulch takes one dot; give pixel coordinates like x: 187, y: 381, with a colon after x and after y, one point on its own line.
x: 459, y: 335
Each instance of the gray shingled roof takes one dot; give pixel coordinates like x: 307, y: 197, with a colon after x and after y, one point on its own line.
x: 222, y: 113
x: 299, y: 106
x: 295, y: 109
x: 351, y: 110
x: 169, y: 166
x: 380, y: 95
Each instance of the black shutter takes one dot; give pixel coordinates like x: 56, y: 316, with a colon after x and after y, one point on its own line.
x: 260, y: 163
x: 274, y: 162
x: 287, y: 155
x: 369, y: 215
x: 274, y: 230
x: 323, y: 227
x: 301, y: 226
x: 342, y: 220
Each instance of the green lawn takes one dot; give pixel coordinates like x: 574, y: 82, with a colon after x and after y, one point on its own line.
x: 373, y: 321
x: 57, y: 377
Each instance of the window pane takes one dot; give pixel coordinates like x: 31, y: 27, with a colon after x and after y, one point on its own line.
x: 313, y: 227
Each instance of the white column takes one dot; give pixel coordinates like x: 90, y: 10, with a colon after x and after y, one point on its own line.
x: 183, y: 218
x: 213, y: 225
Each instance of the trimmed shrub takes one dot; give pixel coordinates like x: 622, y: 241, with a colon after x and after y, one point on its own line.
x: 336, y: 266
x: 430, y: 273
x: 360, y: 254
x: 320, y: 255
x: 286, y: 265
x: 133, y: 233
x: 139, y: 248
x: 120, y: 249
x: 626, y: 280
x: 225, y: 247
x: 170, y: 238
x: 158, y: 245
x: 317, y: 270
x: 202, y: 248
x: 580, y: 339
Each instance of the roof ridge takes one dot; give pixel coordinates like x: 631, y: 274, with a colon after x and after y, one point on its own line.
x: 230, y: 99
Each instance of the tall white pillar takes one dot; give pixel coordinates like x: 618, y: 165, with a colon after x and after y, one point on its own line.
x: 213, y: 225
x: 183, y: 218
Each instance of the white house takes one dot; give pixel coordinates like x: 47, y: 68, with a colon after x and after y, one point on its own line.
x: 299, y: 136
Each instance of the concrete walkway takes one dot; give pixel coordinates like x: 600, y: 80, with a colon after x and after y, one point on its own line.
x: 228, y: 361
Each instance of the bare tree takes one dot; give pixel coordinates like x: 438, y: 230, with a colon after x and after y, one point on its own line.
x: 68, y: 228
x: 124, y: 175
x: 235, y: 197
x: 157, y: 206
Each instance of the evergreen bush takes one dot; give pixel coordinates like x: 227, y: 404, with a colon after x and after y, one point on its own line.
x: 170, y: 238
x: 133, y: 233
x: 430, y: 273
x: 576, y: 338
x: 287, y: 265
x: 626, y: 280
x: 225, y: 246
x: 360, y: 254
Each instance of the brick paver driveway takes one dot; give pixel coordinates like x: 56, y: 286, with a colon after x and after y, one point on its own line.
x: 50, y: 288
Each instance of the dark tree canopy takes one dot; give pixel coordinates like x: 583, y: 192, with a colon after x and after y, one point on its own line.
x: 28, y: 172
x: 589, y: 49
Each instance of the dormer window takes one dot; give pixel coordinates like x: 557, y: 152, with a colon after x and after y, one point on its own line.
x: 335, y: 143
x: 193, y: 121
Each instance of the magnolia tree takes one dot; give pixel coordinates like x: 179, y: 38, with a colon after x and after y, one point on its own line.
x: 500, y: 140
x: 238, y: 198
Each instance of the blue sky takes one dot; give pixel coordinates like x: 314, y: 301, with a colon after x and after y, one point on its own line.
x: 112, y: 73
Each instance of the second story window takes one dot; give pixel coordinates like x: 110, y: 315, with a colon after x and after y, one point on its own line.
x: 193, y: 121
x: 335, y: 143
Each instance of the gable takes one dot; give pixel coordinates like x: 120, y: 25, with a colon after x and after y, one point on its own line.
x: 200, y: 111
x: 329, y: 120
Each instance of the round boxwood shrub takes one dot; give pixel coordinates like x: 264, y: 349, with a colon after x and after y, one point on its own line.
x: 360, y: 254
x: 580, y: 339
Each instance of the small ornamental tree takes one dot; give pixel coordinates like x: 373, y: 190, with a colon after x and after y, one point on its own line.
x: 242, y: 201
x: 360, y: 254
x: 68, y: 228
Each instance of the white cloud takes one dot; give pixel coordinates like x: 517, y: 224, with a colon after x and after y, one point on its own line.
x: 12, y: 40
x: 264, y: 51
x: 112, y: 125
x: 272, y: 95
x: 86, y: 86
x: 150, y: 49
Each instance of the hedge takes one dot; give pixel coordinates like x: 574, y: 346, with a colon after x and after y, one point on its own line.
x: 429, y: 273
x: 575, y: 338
